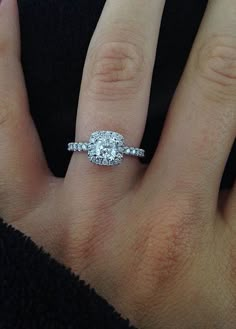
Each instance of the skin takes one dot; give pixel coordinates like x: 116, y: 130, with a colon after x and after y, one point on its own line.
x: 158, y: 241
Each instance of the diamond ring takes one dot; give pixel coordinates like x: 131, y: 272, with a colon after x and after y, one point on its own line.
x: 106, y: 148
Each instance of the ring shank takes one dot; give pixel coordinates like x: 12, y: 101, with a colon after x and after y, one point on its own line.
x: 78, y: 147
x: 83, y: 147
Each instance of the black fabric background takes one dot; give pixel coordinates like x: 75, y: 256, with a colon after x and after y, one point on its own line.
x: 36, y: 292
x: 55, y: 37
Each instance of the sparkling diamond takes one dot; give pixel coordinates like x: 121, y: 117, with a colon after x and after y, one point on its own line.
x: 105, y: 162
x: 70, y: 147
x: 105, y: 148
x: 75, y: 146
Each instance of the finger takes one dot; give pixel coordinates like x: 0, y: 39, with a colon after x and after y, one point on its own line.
x: 201, y: 125
x: 116, y: 83
x: 23, y: 169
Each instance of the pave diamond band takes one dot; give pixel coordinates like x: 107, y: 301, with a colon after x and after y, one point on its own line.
x: 106, y: 148
x: 83, y: 147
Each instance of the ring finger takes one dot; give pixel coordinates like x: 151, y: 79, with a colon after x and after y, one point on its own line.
x: 116, y: 84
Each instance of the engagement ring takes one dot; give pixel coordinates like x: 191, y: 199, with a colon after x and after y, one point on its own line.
x: 106, y: 148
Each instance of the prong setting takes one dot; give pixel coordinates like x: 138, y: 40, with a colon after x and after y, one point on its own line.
x: 106, y: 148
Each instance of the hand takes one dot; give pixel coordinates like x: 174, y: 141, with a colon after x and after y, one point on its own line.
x: 158, y: 241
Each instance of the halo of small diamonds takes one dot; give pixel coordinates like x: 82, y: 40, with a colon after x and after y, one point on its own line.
x: 106, y: 148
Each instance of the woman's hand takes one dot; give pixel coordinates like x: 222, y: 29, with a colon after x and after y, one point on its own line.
x: 158, y: 242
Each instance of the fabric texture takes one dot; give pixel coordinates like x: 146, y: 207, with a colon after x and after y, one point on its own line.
x: 35, y: 290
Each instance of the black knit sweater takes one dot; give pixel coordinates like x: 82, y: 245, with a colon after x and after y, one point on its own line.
x: 36, y: 291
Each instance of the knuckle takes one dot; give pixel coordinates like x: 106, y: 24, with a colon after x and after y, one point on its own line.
x: 176, y: 235
x: 114, y: 70
x: 215, y: 63
x: 187, y: 199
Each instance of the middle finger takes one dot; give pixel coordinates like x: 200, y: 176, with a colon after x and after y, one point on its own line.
x: 201, y: 124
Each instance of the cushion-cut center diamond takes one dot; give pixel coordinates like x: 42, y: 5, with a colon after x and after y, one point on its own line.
x: 106, y: 148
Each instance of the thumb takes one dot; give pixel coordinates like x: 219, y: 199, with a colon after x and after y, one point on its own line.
x: 23, y: 168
